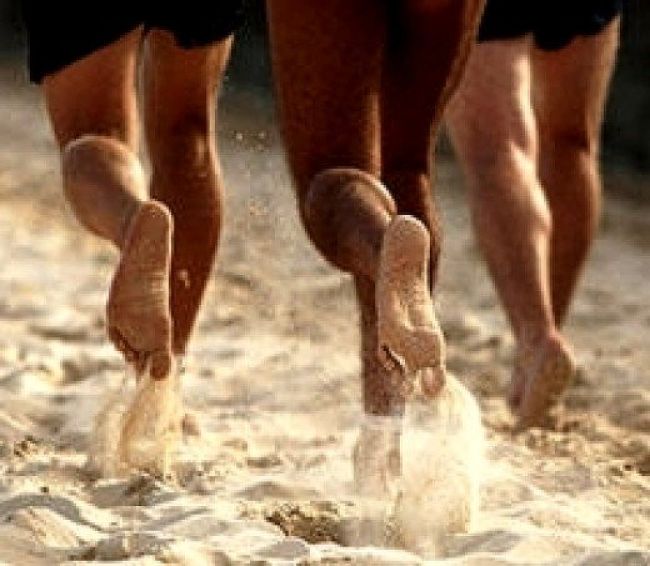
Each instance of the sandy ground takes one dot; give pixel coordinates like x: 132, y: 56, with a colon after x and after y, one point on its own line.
x: 272, y: 380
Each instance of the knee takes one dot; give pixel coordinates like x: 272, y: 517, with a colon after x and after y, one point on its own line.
x: 498, y: 165
x: 575, y: 142
x: 186, y: 141
x: 496, y: 151
x: 506, y: 172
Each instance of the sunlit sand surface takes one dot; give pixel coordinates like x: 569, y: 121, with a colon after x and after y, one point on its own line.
x: 272, y: 379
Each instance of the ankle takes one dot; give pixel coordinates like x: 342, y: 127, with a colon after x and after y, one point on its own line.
x: 528, y: 339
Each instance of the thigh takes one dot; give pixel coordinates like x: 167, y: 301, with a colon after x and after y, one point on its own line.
x: 428, y: 45
x: 571, y: 88
x: 96, y: 95
x: 327, y: 60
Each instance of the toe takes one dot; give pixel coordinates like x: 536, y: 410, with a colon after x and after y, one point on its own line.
x: 389, y: 360
x: 432, y: 380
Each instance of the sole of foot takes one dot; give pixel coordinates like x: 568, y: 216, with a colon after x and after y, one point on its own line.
x: 138, y: 311
x: 410, y: 338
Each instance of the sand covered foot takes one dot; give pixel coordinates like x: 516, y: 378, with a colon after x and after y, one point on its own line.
x: 410, y: 337
x: 139, y: 320
x: 541, y: 376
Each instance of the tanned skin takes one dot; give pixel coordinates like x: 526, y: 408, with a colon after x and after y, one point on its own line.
x: 362, y: 86
x: 535, y: 190
x: 167, y: 226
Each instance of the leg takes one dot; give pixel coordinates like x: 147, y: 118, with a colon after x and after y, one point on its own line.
x: 510, y: 211
x: 570, y: 120
x: 179, y: 102
x: 92, y: 107
x: 429, y: 41
x: 327, y: 63
x: 428, y: 46
x: 346, y: 213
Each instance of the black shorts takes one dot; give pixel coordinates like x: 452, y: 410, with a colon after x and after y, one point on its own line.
x: 62, y: 32
x: 553, y: 23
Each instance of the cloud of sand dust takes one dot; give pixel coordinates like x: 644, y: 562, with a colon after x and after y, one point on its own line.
x: 442, y: 461
x: 138, y: 428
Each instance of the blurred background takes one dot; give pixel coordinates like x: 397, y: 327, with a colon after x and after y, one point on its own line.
x: 627, y: 128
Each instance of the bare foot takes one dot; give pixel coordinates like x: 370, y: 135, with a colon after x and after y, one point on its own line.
x: 139, y: 320
x: 410, y: 338
x: 541, y: 375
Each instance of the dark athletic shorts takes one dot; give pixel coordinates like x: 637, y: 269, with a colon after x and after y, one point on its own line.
x: 553, y: 23
x: 65, y: 31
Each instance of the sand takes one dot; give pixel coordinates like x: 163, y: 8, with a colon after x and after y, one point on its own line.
x: 271, y: 379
